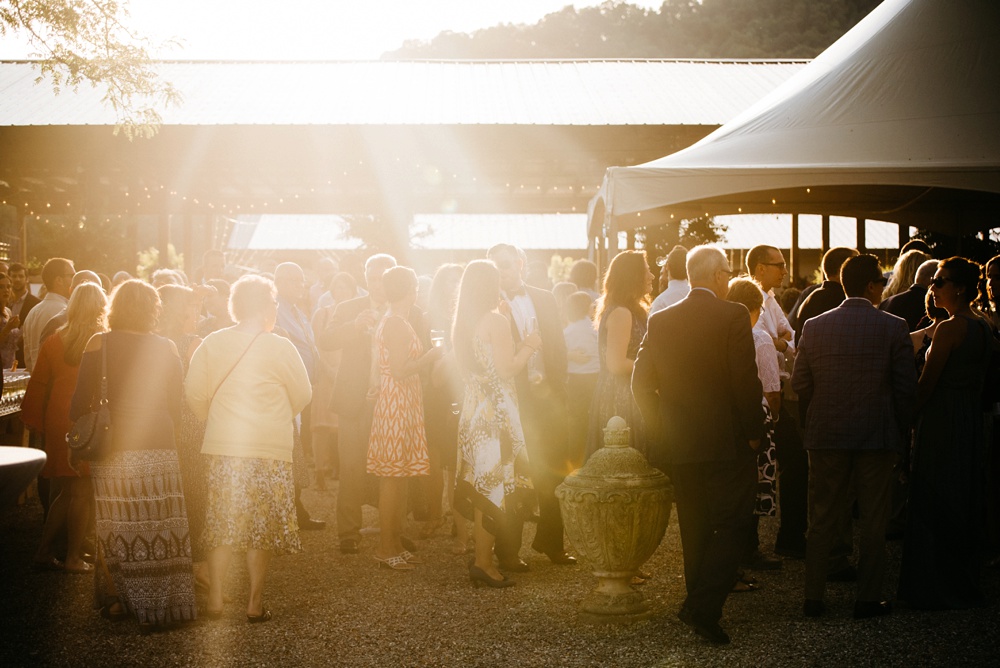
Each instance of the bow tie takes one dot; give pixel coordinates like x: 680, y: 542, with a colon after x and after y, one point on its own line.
x: 517, y: 292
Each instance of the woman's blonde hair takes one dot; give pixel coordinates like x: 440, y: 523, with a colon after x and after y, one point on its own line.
x: 86, y: 315
x: 135, y: 306
x: 904, y: 272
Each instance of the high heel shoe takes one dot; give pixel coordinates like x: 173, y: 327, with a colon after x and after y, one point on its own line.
x: 479, y: 578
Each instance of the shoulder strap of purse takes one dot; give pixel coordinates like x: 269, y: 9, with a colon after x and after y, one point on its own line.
x: 238, y: 360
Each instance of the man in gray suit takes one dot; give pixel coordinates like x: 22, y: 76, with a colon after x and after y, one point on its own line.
x: 856, y: 380
x: 695, y: 381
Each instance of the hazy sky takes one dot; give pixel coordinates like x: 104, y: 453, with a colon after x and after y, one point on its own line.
x: 314, y: 29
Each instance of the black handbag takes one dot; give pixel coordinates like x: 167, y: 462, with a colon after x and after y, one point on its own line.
x: 89, y: 439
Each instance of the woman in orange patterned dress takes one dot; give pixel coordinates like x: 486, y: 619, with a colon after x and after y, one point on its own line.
x: 397, y: 448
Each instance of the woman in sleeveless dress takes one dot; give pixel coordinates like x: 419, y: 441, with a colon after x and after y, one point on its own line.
x: 493, y: 462
x: 940, y: 566
x: 397, y: 448
x: 621, y: 315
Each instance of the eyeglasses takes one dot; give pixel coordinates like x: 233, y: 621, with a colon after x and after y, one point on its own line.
x: 939, y: 281
x: 780, y: 265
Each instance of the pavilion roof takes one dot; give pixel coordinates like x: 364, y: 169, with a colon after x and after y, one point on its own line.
x: 426, y: 92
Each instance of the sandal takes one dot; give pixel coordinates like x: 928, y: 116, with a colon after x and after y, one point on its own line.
x: 265, y: 616
x: 86, y: 569
x: 396, y: 563
x: 410, y: 558
x: 741, y: 587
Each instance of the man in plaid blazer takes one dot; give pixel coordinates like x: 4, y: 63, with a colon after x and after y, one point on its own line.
x: 857, y: 382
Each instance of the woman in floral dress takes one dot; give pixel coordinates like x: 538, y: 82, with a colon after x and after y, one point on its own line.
x: 493, y: 462
x: 247, y: 384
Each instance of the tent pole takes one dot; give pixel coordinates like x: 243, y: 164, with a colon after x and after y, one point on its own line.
x: 861, y: 242
x: 825, y: 234
x: 904, y: 234
x: 793, y: 255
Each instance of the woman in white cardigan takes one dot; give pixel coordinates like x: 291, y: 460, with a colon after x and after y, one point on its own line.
x: 248, y: 385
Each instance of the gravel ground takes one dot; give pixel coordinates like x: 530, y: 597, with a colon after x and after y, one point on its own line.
x: 340, y: 610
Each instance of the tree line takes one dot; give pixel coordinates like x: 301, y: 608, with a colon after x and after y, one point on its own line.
x: 679, y: 29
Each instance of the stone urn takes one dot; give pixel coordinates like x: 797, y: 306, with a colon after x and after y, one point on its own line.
x: 616, y: 510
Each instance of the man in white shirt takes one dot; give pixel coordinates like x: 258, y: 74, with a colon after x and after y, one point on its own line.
x: 57, y: 276
x: 677, y: 285
x: 768, y: 269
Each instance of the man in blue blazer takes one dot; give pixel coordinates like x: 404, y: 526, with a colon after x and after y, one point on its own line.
x: 695, y: 381
x: 857, y: 382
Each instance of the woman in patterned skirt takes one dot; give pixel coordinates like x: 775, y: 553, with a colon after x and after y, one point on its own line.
x: 397, y: 447
x: 744, y: 291
x: 493, y: 462
x: 142, y: 526
x: 248, y: 385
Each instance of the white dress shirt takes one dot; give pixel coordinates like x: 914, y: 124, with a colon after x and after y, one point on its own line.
x: 676, y: 290
x: 581, y: 337
x: 50, y: 306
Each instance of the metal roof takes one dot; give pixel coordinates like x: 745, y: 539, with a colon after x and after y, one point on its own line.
x: 560, y: 92
x: 290, y: 232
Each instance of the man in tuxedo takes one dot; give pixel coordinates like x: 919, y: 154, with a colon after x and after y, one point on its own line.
x: 541, y: 398
x: 351, y: 330
x: 695, y: 381
x: 855, y: 377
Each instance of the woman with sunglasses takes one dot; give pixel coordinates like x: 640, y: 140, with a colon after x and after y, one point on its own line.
x: 940, y: 567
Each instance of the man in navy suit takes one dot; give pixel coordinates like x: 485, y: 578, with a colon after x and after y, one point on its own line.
x: 695, y: 381
x: 855, y: 376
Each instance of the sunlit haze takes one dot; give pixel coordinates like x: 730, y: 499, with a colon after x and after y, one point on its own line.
x: 312, y: 29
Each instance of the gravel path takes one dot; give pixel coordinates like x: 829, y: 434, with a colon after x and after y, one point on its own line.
x: 340, y: 610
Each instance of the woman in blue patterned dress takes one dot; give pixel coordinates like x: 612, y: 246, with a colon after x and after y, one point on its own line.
x: 622, y: 310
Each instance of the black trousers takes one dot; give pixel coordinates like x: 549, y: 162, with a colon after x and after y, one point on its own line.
x: 715, y: 503
x: 793, y: 479
x: 543, y: 419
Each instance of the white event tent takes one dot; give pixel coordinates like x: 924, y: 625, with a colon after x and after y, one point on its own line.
x: 899, y: 121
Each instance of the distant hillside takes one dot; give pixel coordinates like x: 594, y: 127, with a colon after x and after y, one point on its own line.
x: 680, y: 29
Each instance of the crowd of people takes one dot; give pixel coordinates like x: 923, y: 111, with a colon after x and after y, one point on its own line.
x: 865, y: 406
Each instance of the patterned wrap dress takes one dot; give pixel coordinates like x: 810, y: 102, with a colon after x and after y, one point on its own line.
x: 397, y: 447
x: 492, y: 474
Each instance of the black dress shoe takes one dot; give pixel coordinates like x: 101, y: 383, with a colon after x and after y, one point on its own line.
x: 813, y: 608
x: 348, y: 546
x: 711, y: 631
x: 868, y: 609
x: 561, y: 558
x: 310, y: 524
x: 845, y: 574
x: 515, y: 565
